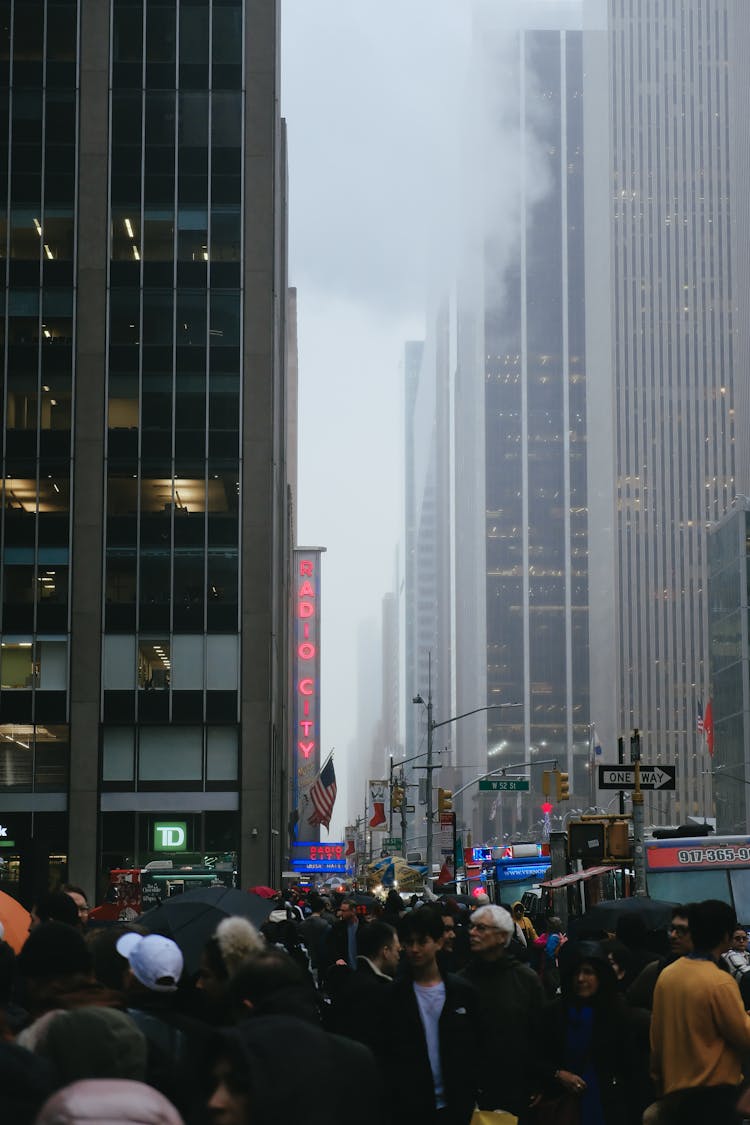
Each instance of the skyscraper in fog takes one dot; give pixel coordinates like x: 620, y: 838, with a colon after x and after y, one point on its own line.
x: 144, y: 528
x: 521, y: 565
x: 667, y: 264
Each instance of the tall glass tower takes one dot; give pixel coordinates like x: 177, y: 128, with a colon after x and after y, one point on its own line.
x: 144, y: 534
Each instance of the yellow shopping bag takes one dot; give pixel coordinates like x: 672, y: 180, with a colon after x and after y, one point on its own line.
x: 493, y: 1117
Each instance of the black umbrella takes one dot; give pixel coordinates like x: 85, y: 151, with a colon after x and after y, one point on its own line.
x: 654, y: 913
x: 191, y: 918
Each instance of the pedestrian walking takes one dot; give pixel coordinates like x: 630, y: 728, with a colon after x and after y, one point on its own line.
x: 699, y: 1027
x: 436, y: 1045
x: 510, y: 994
x: 586, y: 1048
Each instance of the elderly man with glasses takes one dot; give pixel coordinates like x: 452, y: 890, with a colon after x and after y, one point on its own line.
x: 511, y: 998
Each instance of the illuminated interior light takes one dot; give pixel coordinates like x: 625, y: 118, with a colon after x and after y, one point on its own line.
x: 136, y: 255
x: 129, y: 228
x: 48, y: 252
x: 45, y: 387
x: 47, y: 334
x: 38, y: 226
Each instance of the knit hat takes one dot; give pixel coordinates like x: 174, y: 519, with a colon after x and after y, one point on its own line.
x: 155, y: 961
x: 95, y: 1042
x: 53, y: 949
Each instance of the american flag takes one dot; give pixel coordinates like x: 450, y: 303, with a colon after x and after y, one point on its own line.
x: 700, y: 726
x: 323, y: 795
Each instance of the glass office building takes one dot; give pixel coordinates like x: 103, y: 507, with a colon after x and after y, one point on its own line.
x: 143, y: 525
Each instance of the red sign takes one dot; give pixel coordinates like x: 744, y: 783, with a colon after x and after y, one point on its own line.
x: 697, y: 855
x: 305, y: 733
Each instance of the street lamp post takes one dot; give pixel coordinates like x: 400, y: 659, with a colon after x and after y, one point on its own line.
x: 432, y: 726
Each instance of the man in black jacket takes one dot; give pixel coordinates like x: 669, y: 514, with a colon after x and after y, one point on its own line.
x: 435, y: 1041
x: 360, y: 1001
x: 510, y: 995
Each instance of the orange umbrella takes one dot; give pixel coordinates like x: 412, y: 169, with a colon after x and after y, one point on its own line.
x: 15, y: 921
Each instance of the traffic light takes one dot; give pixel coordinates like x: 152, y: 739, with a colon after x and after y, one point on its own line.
x: 445, y: 800
x: 547, y: 783
x: 397, y: 797
x: 563, y: 789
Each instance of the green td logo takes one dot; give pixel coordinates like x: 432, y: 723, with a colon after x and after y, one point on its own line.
x: 171, y: 837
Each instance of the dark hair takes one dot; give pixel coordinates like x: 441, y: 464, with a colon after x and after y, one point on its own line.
x: 681, y: 911
x: 425, y: 922
x: 266, y: 972
x: 214, y: 958
x: 315, y: 902
x: 374, y: 937
x: 52, y: 950
x: 72, y: 889
x: 710, y: 922
x: 56, y: 906
x: 109, y: 965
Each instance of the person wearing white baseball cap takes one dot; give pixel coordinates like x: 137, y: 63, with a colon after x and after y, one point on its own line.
x: 155, y: 961
x: 176, y: 1042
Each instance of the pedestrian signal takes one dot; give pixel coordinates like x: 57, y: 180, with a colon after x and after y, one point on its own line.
x: 445, y: 800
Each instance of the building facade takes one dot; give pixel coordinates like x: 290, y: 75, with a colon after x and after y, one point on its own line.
x: 522, y: 534
x: 729, y: 632
x: 668, y: 161
x: 145, y: 533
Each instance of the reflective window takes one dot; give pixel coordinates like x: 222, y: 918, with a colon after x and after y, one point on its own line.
x: 119, y: 673
x: 118, y: 754
x: 222, y: 754
x: 170, y: 754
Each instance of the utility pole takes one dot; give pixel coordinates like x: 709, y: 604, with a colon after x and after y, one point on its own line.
x: 639, y: 857
x: 431, y: 728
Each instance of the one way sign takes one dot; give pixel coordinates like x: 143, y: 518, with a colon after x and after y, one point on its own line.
x: 623, y: 777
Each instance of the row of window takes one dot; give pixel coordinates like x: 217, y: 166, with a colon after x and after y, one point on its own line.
x: 170, y: 754
x: 182, y: 662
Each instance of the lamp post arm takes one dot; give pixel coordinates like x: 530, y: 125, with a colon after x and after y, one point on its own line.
x: 476, y: 711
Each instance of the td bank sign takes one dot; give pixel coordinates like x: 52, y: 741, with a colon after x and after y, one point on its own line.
x: 170, y: 836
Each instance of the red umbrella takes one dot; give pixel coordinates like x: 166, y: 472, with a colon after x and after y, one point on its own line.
x: 263, y: 892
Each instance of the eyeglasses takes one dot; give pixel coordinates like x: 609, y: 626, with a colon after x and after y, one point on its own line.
x: 740, y: 937
x: 679, y: 929
x: 480, y: 927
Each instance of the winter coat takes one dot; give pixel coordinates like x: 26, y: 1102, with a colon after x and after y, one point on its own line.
x: 510, y: 995
x: 108, y: 1101
x: 411, y: 1087
x: 326, y: 1078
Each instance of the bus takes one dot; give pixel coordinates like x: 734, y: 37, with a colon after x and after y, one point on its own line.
x: 693, y: 868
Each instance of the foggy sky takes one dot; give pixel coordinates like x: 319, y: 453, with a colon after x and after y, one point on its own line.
x: 384, y: 113
x: 369, y: 94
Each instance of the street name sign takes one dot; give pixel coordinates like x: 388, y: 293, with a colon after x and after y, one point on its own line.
x: 504, y: 785
x: 392, y: 842
x: 623, y: 777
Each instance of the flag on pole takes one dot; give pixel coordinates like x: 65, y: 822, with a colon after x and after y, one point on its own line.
x: 700, y: 725
x: 708, y: 727
x: 323, y: 795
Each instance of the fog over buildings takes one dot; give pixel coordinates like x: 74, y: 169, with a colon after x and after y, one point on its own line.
x: 519, y: 236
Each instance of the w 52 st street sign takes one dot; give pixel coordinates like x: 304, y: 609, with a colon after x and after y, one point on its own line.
x: 623, y: 777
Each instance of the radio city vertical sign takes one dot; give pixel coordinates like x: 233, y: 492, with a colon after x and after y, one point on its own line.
x: 305, y: 739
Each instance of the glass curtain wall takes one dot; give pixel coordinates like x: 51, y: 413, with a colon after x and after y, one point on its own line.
x: 38, y: 60
x: 174, y: 391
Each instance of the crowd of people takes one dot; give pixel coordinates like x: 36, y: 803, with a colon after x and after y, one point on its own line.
x: 424, y: 1012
